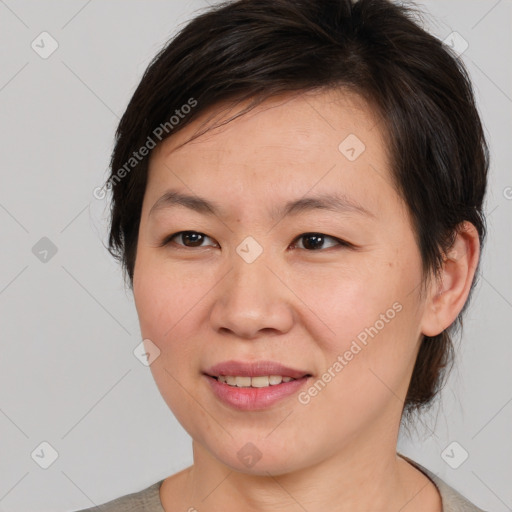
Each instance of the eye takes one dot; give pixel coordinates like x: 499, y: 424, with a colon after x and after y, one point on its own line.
x: 188, y: 238
x: 312, y: 241
x: 315, y: 241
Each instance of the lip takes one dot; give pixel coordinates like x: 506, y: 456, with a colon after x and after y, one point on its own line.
x: 254, y: 369
x: 253, y: 399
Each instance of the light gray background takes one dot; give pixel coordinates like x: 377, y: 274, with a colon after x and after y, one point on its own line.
x: 68, y: 375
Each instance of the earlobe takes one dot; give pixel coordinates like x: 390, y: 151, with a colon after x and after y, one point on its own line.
x: 448, y: 293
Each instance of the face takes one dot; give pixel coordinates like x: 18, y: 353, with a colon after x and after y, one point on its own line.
x: 303, y: 265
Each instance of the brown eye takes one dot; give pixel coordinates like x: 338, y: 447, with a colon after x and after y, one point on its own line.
x: 188, y: 238
x: 311, y: 241
x: 316, y: 241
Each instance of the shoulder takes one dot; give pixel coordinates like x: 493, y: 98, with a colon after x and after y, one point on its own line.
x: 146, y: 500
x: 452, y: 500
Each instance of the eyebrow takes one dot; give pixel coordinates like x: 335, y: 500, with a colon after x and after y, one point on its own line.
x: 338, y: 203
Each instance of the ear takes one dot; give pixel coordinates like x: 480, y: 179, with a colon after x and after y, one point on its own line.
x: 448, y: 294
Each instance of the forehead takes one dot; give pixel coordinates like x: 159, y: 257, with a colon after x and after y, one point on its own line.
x: 323, y: 142
x: 286, y: 120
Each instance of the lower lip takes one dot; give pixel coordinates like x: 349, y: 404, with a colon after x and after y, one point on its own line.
x: 251, y: 399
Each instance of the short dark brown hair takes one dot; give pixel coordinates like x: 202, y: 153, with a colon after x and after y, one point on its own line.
x: 255, y: 49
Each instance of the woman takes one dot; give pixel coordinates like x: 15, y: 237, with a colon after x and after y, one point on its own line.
x: 297, y: 192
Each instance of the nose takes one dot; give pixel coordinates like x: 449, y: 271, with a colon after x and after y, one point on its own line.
x: 252, y: 301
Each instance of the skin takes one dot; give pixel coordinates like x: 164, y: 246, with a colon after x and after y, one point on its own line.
x: 294, y: 304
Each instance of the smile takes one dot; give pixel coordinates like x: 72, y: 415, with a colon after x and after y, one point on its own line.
x: 257, y: 397
x: 253, y: 382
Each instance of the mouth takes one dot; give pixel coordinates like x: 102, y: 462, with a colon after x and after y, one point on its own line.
x: 260, y: 381
x: 254, y: 373
x: 254, y: 385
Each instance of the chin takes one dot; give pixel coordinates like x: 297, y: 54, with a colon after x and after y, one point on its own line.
x: 260, y: 459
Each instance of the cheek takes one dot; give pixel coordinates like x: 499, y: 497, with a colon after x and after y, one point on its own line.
x: 370, y: 316
x: 346, y: 301
x: 365, y: 370
x: 165, y: 303
x: 378, y: 350
x: 165, y: 299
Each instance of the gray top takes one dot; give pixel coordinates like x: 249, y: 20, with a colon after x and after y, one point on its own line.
x: 452, y: 500
x: 148, y: 500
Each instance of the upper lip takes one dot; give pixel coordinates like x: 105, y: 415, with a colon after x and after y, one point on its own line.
x: 254, y: 369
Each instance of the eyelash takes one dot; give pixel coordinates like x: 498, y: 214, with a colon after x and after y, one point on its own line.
x: 341, y: 243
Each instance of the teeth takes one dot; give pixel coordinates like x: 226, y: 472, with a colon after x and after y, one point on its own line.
x: 275, y: 379
x: 255, y: 382
x: 243, y: 382
x: 260, y: 382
